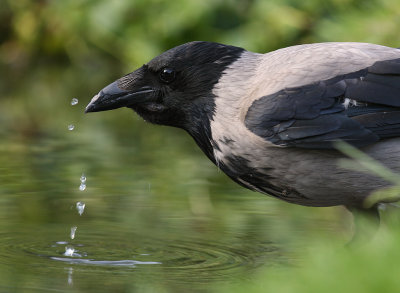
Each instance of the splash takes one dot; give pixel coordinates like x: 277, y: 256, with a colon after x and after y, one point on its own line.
x: 69, y: 251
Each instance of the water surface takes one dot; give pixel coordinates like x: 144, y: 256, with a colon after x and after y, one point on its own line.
x: 156, y: 218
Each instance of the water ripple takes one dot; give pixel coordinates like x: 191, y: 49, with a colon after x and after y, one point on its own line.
x: 122, y: 263
x: 178, y: 259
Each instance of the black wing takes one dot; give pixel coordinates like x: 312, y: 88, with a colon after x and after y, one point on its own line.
x: 360, y: 108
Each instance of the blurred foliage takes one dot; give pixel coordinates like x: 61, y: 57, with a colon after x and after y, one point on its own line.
x: 51, y: 51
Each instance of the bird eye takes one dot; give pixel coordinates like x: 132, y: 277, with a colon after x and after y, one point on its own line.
x: 167, y: 75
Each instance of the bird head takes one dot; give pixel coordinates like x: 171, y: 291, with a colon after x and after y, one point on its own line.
x: 174, y: 88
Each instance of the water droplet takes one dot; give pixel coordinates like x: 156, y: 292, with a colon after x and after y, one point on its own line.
x: 80, y: 206
x: 82, y: 187
x: 73, y: 230
x: 71, y: 127
x: 61, y: 242
x: 69, y: 251
x: 74, y: 101
x: 83, y: 178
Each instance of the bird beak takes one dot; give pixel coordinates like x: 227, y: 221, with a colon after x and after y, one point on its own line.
x: 113, y: 97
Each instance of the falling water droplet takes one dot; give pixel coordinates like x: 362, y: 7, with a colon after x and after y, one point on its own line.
x: 73, y: 230
x: 69, y: 251
x: 74, y: 101
x: 80, y: 206
x: 71, y: 127
x: 82, y: 187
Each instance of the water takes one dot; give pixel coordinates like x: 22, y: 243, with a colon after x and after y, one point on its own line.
x: 71, y: 251
x: 192, y: 231
x: 80, y: 207
x: 74, y: 101
x: 70, y: 277
x: 73, y: 231
x: 82, y: 187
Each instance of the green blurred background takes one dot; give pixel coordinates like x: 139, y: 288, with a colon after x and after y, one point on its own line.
x: 53, y: 51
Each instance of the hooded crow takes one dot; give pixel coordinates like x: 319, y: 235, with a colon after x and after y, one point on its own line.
x: 270, y: 121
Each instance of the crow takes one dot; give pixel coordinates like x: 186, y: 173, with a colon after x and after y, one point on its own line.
x: 270, y: 121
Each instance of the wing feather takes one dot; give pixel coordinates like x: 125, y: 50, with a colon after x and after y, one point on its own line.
x: 315, y: 115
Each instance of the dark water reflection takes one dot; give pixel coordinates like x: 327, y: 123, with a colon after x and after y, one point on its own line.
x: 155, y: 220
